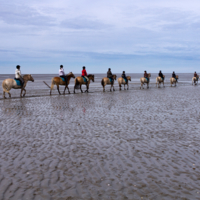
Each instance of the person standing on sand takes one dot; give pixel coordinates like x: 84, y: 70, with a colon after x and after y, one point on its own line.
x: 62, y: 74
x: 18, y: 75
x: 84, y: 74
x: 109, y: 75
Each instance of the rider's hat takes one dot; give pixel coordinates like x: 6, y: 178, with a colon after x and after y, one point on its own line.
x: 145, y: 71
x: 83, y: 67
x: 18, y: 66
x: 123, y: 72
x: 61, y: 66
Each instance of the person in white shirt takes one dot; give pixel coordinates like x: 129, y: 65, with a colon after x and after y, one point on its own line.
x: 18, y: 75
x: 62, y: 74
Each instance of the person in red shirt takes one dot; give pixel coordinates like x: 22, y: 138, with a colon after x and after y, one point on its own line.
x: 84, y: 74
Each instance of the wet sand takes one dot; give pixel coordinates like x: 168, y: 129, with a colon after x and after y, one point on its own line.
x: 136, y: 144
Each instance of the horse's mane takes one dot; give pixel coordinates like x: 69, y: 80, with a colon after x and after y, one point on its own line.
x: 90, y: 75
x: 69, y: 74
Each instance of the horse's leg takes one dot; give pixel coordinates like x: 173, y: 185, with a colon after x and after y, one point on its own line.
x: 119, y: 86
x: 58, y: 89
x: 24, y: 93
x: 81, y: 88
x: 124, y: 87
x: 4, y: 95
x: 21, y: 92
x: 68, y: 89
x: 127, y: 86
x: 111, y: 87
x: 64, y: 90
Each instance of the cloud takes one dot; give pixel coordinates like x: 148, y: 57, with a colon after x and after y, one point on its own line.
x: 93, y: 30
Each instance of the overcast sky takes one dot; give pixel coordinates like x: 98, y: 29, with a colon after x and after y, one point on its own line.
x: 120, y: 34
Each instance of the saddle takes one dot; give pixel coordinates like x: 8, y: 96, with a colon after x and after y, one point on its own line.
x: 125, y: 80
x: 110, y: 80
x: 62, y: 79
x: 84, y: 79
x: 18, y: 82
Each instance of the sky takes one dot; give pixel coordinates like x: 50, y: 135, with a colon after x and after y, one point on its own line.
x: 119, y: 34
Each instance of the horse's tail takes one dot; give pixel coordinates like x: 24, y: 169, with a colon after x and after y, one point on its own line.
x: 76, y: 82
x: 102, y: 82
x: 5, y: 87
x: 52, y: 83
x: 46, y: 84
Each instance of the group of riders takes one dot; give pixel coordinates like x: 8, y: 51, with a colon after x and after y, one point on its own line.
x: 18, y: 75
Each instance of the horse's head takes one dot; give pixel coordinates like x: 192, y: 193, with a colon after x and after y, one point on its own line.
x: 71, y: 75
x: 163, y: 76
x: 177, y: 76
x: 149, y: 75
x: 129, y: 78
x: 91, y: 77
x: 28, y: 77
x: 114, y: 76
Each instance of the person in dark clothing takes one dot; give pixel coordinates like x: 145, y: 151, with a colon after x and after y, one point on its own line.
x: 146, y: 75
x: 124, y: 76
x: 174, y: 76
x: 161, y: 75
x: 18, y: 75
x: 109, y: 75
x: 196, y: 75
x: 62, y: 74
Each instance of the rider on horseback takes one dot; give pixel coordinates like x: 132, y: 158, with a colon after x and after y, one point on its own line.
x: 109, y: 75
x: 196, y: 75
x: 161, y: 75
x: 84, y: 75
x: 62, y: 74
x: 174, y: 76
x: 124, y: 76
x: 146, y: 76
x: 18, y: 75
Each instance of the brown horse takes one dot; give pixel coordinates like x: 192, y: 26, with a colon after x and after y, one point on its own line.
x: 58, y: 81
x: 79, y: 81
x: 9, y: 83
x: 121, y: 82
x: 144, y: 80
x: 106, y: 81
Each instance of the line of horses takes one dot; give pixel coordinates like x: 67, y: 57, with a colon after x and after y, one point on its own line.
x: 8, y: 84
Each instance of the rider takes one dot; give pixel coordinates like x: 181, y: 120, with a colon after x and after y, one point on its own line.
x: 124, y: 76
x: 161, y: 75
x: 174, y: 76
x: 109, y: 75
x: 18, y: 75
x: 84, y: 74
x: 62, y: 74
x: 146, y: 75
x: 195, y: 75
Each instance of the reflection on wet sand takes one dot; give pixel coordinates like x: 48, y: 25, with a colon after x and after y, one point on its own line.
x: 141, y: 144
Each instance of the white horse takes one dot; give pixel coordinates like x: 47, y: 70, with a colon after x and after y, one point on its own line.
x: 173, y: 80
x: 159, y: 80
x: 9, y: 83
x: 195, y: 80
x: 144, y: 80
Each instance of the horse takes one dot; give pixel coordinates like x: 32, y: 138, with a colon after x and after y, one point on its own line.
x: 121, y: 81
x: 144, y: 80
x: 159, y: 80
x: 195, y: 80
x: 9, y: 83
x: 173, y: 80
x: 106, y: 81
x: 58, y: 81
x: 79, y: 81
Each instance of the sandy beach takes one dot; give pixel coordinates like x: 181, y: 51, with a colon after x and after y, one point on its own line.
x: 135, y: 144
